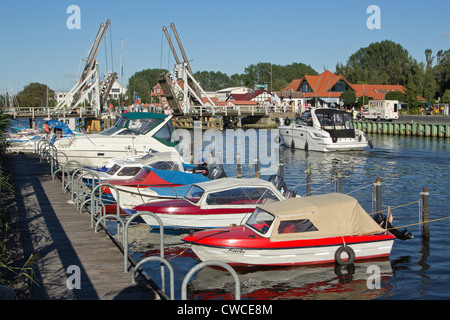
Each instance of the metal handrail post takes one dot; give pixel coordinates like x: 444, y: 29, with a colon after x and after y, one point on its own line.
x: 125, y: 240
x: 210, y: 263
x: 119, y: 220
x: 64, y: 171
x: 172, y: 286
x: 94, y: 200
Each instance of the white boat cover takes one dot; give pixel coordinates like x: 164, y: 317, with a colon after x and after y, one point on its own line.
x: 329, y: 215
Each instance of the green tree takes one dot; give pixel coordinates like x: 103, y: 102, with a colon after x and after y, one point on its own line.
x: 348, y: 97
x: 384, y: 62
x: 213, y: 81
x: 446, y: 96
x: 395, y: 95
x: 276, y: 76
x: 142, y: 83
x: 363, y: 100
x: 35, y: 95
x: 442, y: 71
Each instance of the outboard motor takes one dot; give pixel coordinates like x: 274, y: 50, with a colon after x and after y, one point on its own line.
x: 217, y: 173
x: 290, y: 194
x: 278, y: 182
x: 402, y: 234
x: 202, y: 169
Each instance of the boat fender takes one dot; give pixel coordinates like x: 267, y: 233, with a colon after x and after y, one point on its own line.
x: 287, y: 122
x: 293, y: 144
x: 334, y: 139
x: 350, y: 253
x: 277, y: 139
x: 349, y: 270
x: 306, y: 146
x: 370, y: 144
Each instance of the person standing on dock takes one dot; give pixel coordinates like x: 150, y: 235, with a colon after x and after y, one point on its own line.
x: 46, y: 128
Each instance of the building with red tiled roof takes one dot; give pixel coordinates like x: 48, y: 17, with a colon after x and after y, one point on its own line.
x: 328, y: 87
x: 376, y: 91
x: 260, y: 96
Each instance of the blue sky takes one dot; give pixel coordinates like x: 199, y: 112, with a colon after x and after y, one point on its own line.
x: 224, y: 36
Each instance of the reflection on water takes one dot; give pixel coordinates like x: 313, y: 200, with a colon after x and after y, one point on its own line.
x: 311, y: 283
x: 417, y: 268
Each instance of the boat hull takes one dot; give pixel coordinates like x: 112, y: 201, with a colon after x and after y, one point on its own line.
x: 130, y: 197
x: 291, y: 256
x: 100, y: 156
x: 311, y: 139
x: 195, y: 221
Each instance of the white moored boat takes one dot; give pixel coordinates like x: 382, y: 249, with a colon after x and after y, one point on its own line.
x: 135, y: 132
x: 212, y: 204
x: 325, y: 130
x: 298, y: 231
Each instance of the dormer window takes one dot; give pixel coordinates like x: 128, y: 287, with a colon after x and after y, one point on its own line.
x: 340, y: 86
x: 305, y: 87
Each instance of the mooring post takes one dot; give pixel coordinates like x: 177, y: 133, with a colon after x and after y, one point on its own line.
x: 238, y: 168
x: 377, y: 185
x: 308, y: 180
x: 339, y: 182
x: 425, y: 195
x: 281, y: 168
x: 256, y: 168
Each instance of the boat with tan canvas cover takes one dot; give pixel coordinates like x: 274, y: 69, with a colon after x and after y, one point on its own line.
x: 309, y: 230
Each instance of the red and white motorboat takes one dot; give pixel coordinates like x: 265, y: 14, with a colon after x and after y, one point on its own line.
x: 212, y: 204
x: 298, y: 231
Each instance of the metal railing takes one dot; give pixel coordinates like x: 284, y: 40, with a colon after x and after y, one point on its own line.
x: 81, y: 195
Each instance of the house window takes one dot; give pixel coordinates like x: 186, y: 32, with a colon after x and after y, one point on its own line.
x: 340, y: 86
x: 305, y: 87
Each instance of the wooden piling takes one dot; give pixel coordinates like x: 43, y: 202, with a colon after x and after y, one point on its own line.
x: 256, y: 168
x: 238, y: 167
x: 425, y: 195
x: 377, y: 185
x: 308, y: 180
x: 339, y: 182
x: 281, y: 168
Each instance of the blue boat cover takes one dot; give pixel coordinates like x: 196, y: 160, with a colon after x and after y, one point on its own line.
x: 54, y: 124
x: 178, y: 177
x: 172, y: 192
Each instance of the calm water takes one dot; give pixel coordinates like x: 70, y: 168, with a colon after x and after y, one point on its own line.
x: 416, y: 269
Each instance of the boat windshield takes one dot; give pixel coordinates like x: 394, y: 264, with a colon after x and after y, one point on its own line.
x: 112, y: 171
x: 110, y: 131
x: 142, y: 174
x: 335, y: 121
x: 241, y: 196
x: 305, y: 119
x: 260, y: 220
x: 133, y: 126
x: 194, y: 194
x: 164, y: 165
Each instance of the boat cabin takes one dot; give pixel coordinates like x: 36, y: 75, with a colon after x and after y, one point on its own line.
x: 142, y: 123
x: 233, y: 192
x: 338, y: 123
x: 315, y: 217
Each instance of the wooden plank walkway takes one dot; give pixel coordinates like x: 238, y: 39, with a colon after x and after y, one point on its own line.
x: 53, y: 229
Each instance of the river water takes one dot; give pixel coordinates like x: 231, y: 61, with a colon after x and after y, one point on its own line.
x: 418, y: 268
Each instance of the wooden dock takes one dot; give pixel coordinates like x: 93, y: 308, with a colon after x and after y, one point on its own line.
x: 54, y: 231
